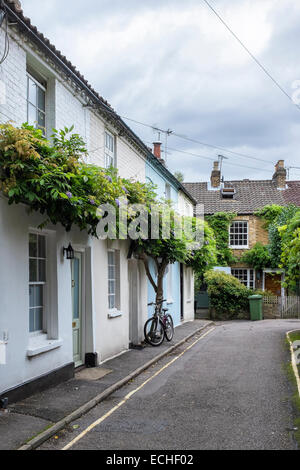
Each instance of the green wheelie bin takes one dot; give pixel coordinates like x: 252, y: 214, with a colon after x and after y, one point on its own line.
x: 256, y: 310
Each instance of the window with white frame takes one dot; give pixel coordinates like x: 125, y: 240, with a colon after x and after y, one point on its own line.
x: 36, y: 103
x: 110, y: 150
x: 37, y: 282
x: 245, y: 276
x: 239, y: 236
x: 113, y: 280
x: 168, y: 192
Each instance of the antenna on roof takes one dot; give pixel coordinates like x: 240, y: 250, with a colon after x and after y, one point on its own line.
x: 167, y: 135
x: 289, y: 168
x: 221, y: 158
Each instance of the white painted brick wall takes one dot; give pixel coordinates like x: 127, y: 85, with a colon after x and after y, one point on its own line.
x: 185, y: 206
x: 130, y: 164
x: 63, y: 108
x: 13, y: 75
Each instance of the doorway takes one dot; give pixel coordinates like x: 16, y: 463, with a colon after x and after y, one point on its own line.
x: 273, y: 283
x: 181, y: 293
x: 77, y: 308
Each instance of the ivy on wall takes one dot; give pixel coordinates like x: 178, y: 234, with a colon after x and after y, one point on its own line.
x: 220, y: 223
x: 258, y: 257
x: 283, y: 224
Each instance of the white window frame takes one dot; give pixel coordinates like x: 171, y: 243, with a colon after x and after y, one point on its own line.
x: 249, y: 270
x: 239, y: 247
x: 168, y: 193
x: 35, y: 105
x: 116, y: 294
x: 44, y: 284
x: 110, y: 159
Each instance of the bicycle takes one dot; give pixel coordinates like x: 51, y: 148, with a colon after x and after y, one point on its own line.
x: 160, y: 326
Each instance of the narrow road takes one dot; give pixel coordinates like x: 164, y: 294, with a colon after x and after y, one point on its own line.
x: 228, y: 390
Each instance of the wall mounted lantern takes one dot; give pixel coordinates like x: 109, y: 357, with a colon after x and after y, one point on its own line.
x: 69, y: 252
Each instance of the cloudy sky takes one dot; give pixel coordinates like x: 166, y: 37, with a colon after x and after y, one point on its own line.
x: 173, y: 64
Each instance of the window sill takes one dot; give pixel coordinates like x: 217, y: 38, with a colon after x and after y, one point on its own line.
x: 239, y: 247
x: 40, y: 345
x: 114, y: 314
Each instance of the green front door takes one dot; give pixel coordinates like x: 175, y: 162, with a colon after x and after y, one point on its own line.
x: 77, y: 308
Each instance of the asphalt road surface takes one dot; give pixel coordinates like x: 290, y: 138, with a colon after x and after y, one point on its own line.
x: 228, y: 389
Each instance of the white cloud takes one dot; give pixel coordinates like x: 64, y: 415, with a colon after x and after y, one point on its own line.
x: 174, y: 64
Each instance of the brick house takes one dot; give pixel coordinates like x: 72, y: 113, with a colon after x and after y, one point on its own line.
x: 245, y: 197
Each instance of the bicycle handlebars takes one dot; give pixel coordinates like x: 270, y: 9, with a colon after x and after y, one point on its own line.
x: 157, y: 303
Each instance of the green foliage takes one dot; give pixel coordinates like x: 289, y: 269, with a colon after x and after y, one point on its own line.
x: 269, y: 214
x: 275, y: 240
x: 179, y: 176
x: 228, y: 296
x: 205, y: 258
x: 52, y: 178
x: 284, y: 245
x: 220, y: 223
x: 258, y: 257
x: 290, y: 255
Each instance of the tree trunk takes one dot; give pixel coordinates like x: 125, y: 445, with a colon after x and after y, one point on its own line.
x: 160, y: 280
x: 160, y: 288
x: 161, y: 269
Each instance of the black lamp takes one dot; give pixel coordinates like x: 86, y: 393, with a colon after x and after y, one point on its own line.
x: 69, y: 252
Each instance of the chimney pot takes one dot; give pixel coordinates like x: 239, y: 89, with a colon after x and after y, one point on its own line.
x: 157, y: 149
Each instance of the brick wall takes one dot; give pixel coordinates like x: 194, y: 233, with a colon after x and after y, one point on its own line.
x: 257, y: 234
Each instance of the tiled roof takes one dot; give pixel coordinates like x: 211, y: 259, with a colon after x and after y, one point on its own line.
x: 292, y: 194
x: 250, y: 196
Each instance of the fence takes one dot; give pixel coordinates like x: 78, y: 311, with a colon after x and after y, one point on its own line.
x: 281, y: 307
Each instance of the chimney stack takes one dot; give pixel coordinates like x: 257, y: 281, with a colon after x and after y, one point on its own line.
x: 280, y: 175
x: 216, y: 176
x: 157, y: 149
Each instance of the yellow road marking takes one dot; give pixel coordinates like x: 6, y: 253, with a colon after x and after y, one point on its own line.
x: 125, y: 399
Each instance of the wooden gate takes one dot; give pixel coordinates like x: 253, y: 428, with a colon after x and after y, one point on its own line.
x: 290, y: 306
x: 281, y: 307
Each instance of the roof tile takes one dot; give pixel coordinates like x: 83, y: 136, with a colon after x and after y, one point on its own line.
x: 250, y: 196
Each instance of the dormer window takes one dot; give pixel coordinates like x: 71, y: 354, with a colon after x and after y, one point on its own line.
x: 228, y: 193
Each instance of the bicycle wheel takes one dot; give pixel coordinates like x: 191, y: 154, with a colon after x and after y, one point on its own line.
x: 154, y: 332
x: 169, y: 328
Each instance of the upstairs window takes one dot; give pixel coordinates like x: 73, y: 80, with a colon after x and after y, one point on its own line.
x: 110, y: 150
x: 36, y: 103
x: 37, y: 282
x: 239, y: 237
x: 168, y: 192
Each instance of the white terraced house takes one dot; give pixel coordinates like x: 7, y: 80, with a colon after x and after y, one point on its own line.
x: 56, y: 314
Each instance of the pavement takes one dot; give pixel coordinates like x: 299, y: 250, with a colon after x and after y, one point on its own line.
x: 225, y: 389
x: 38, y: 414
